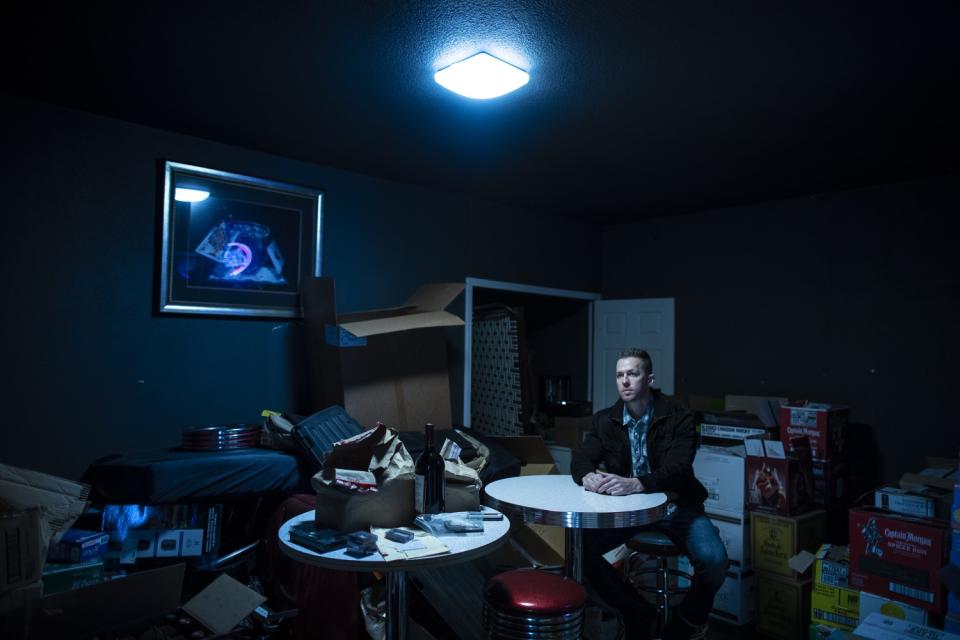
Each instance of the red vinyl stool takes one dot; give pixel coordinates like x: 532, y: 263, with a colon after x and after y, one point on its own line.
x: 530, y: 603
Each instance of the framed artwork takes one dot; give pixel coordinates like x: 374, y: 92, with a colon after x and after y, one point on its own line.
x: 236, y: 245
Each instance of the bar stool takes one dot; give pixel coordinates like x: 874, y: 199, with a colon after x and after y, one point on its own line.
x: 530, y: 603
x: 656, y: 544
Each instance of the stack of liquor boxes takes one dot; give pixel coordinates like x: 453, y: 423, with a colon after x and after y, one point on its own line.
x: 721, y: 470
x: 783, y: 523
x: 825, y: 426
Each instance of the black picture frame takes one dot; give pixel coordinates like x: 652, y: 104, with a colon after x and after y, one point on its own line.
x: 236, y: 245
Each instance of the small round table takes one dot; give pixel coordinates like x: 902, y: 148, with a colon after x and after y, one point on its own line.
x: 558, y: 500
x: 463, y: 547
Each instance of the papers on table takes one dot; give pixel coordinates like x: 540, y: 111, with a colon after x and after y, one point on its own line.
x: 423, y: 545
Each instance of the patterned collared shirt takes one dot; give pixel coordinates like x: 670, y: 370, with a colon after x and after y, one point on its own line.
x: 637, y: 434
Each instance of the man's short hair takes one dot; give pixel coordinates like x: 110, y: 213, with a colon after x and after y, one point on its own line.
x: 638, y: 353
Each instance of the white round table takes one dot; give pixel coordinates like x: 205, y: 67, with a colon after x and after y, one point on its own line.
x: 463, y: 547
x: 558, y: 500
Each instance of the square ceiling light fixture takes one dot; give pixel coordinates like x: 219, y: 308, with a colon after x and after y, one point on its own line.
x: 482, y: 77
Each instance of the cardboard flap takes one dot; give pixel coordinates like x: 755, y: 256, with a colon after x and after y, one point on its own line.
x: 435, y: 296
x: 223, y: 604
x: 403, y: 322
x: 425, y: 308
x: 62, y: 500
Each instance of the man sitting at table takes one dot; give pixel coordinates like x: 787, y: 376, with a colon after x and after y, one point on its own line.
x: 647, y: 444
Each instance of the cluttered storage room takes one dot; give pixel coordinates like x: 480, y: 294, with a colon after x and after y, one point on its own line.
x: 480, y: 320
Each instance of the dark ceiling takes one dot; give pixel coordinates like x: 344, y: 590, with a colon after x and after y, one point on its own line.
x: 633, y: 109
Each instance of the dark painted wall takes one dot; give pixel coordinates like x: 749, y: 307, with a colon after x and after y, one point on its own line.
x: 846, y: 298
x: 91, y: 370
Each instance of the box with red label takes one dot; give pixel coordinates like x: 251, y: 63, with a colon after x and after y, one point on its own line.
x: 776, y: 483
x: 824, y: 424
x: 898, y: 557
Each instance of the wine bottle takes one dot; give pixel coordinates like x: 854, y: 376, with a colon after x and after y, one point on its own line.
x: 429, y: 476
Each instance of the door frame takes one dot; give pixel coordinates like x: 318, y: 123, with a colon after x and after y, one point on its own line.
x: 483, y: 283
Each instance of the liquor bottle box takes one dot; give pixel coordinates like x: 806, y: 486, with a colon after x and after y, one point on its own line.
x: 824, y: 424
x: 775, y: 482
x: 783, y: 607
x: 721, y: 471
x: 871, y: 603
x: 896, y: 556
x: 774, y: 539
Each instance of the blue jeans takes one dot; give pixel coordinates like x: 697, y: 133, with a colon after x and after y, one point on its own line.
x: 692, y: 532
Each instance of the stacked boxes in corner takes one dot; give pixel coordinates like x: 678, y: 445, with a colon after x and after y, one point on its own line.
x: 721, y: 470
x: 784, y: 583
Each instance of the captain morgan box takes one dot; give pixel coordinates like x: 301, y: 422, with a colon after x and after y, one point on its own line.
x: 824, y: 424
x: 898, y: 557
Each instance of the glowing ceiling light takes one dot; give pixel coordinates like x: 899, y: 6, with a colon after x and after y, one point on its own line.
x: 482, y: 77
x: 183, y: 194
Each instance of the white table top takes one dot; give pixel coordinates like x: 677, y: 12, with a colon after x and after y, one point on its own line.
x: 558, y: 500
x: 463, y: 547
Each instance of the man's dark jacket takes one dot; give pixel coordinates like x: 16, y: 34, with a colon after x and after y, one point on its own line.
x: 671, y: 446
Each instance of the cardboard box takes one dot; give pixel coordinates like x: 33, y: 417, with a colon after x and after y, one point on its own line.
x: 78, y: 545
x: 543, y: 542
x: 59, y: 577
x: 532, y: 451
x: 834, y: 606
x: 568, y: 431
x: 783, y: 607
x: 24, y: 535
x: 870, y: 603
x: 832, y: 602
x: 88, y: 610
x: 898, y: 557
x: 832, y: 566
x: 736, y: 601
x: 387, y: 365
x: 824, y: 424
x: 820, y: 631
x: 721, y: 471
x: 562, y: 457
x: 774, y: 482
x: 62, y: 501
x: 925, y: 502
x: 766, y: 408
x: 880, y: 627
x: 173, y: 530
x: 734, y: 530
x: 776, y: 539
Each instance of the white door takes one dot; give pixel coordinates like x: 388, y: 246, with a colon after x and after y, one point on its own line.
x: 620, y: 324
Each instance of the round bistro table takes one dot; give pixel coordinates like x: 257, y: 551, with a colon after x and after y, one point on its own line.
x: 463, y: 547
x: 558, y: 500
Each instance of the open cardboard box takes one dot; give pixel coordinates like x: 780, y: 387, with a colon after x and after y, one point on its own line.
x: 543, y: 542
x: 387, y: 365
x: 85, y: 611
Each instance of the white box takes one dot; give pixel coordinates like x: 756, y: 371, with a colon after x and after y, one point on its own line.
x: 562, y: 457
x: 721, y: 471
x: 870, y: 603
x: 880, y: 627
x: 734, y: 530
x: 736, y: 602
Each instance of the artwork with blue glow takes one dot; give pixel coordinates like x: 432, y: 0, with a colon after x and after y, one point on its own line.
x: 237, y: 244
